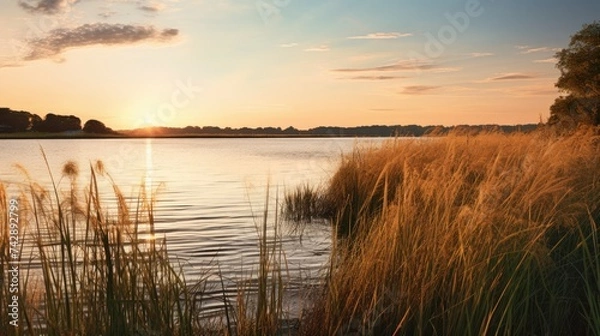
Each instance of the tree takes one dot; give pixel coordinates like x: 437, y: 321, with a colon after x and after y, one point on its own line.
x: 579, y: 65
x: 17, y: 121
x: 58, y: 123
x: 96, y: 126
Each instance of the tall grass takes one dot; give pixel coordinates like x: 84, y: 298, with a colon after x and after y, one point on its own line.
x: 93, y: 270
x: 92, y: 264
x: 486, y: 235
x: 260, y: 309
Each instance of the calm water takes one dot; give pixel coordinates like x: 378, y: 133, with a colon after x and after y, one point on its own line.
x: 211, y: 192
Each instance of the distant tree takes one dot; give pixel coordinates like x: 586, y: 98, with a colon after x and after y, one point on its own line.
x: 13, y: 121
x: 290, y: 130
x: 17, y: 121
x: 96, y: 126
x: 58, y: 123
x: 579, y: 65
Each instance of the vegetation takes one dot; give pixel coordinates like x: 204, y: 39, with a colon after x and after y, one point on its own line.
x: 327, y: 131
x: 579, y: 65
x: 96, y: 126
x: 476, y: 235
x: 91, y: 264
x: 86, y: 272
x: 487, y: 235
x: 21, y: 121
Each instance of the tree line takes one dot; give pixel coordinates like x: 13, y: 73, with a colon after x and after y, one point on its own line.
x: 328, y: 131
x: 22, y: 121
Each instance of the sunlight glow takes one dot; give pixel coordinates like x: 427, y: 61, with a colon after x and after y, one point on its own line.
x: 149, y: 168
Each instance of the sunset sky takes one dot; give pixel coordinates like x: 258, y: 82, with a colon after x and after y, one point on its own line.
x: 305, y: 63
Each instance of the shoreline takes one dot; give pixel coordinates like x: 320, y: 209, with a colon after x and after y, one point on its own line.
x: 25, y: 136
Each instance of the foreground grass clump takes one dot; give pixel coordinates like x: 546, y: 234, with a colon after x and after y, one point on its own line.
x: 485, y: 235
x: 92, y: 266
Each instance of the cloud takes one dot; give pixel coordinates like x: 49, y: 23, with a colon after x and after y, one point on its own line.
x: 480, y: 54
x: 152, y: 7
x: 288, y: 45
x: 318, y: 49
x: 534, y: 50
x: 47, y: 7
x: 59, y: 40
x: 547, y: 60
x: 511, y: 76
x: 529, y: 50
x: 380, y: 36
x: 402, y: 66
x: 418, y: 89
x: 375, y: 78
x: 106, y: 14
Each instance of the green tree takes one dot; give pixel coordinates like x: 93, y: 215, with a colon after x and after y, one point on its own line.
x: 579, y: 65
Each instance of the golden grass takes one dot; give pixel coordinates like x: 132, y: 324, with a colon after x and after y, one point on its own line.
x: 92, y: 264
x: 486, y: 235
x: 90, y: 271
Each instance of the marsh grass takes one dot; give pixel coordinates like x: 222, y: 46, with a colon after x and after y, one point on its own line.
x: 486, y: 235
x: 92, y: 264
x: 482, y: 235
x: 260, y: 304
x: 88, y: 270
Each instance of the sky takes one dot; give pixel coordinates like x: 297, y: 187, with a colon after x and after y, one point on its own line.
x: 301, y: 63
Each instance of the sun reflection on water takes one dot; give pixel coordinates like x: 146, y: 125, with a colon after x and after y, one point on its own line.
x: 149, y: 168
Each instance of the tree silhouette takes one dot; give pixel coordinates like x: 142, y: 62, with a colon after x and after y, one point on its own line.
x: 57, y: 123
x: 96, y: 126
x: 579, y: 65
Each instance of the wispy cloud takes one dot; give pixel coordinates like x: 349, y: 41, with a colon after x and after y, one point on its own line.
x: 320, y: 48
x: 152, y: 7
x: 535, y: 50
x: 399, y: 66
x: 402, y: 66
x: 380, y: 36
x: 288, y: 45
x: 480, y: 54
x: 525, y: 49
x: 511, y: 76
x: 46, y: 7
x: 374, y: 78
x: 59, y: 40
x: 107, y: 13
x: 547, y: 60
x: 418, y: 89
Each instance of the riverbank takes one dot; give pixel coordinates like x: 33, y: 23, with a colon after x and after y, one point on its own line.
x: 493, y: 234
x: 487, y: 234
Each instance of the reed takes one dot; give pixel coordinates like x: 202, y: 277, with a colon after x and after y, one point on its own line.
x: 305, y: 203
x: 260, y: 303
x: 486, y: 235
x: 94, y: 265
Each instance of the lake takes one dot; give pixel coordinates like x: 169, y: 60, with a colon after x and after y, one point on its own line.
x: 210, y: 192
